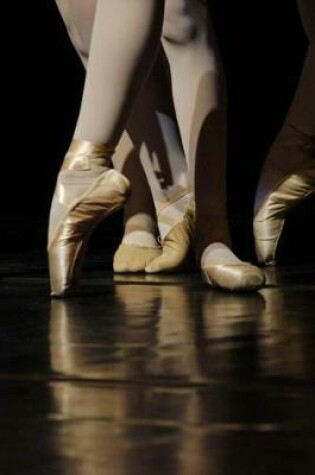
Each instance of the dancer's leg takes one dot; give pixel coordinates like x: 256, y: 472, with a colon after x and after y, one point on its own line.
x: 126, y: 35
x: 288, y: 174
x: 155, y: 136
x: 302, y: 111
x: 118, y: 65
x: 200, y: 103
x: 295, y: 143
x: 155, y: 139
x: 152, y: 128
x: 199, y: 96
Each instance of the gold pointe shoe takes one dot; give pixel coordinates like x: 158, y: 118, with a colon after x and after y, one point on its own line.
x: 87, y: 191
x: 270, y: 219
x: 176, y: 245
x: 133, y: 258
x: 234, y: 277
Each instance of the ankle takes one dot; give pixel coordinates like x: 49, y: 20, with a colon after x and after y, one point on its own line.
x: 205, y: 240
x: 83, y: 155
x: 217, y: 253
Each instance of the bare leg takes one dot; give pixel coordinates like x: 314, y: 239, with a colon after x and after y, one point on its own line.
x: 117, y: 66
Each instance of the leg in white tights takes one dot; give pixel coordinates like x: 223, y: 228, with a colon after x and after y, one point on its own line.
x: 87, y: 190
x: 124, y: 43
x: 101, y: 91
x: 155, y: 139
x: 200, y: 103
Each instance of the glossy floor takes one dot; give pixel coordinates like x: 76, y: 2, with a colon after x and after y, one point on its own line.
x: 156, y: 375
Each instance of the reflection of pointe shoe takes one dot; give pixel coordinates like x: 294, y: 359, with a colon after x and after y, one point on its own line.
x: 270, y: 219
x: 176, y: 245
x: 133, y: 258
x: 234, y: 277
x: 87, y: 191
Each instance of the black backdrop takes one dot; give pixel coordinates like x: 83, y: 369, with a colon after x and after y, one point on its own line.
x: 263, y: 47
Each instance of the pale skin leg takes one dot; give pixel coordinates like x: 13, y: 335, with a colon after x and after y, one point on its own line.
x: 118, y: 66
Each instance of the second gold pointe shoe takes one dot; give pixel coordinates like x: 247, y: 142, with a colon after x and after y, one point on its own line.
x: 176, y: 245
x: 87, y: 191
x: 133, y: 258
x: 270, y: 219
x: 234, y: 277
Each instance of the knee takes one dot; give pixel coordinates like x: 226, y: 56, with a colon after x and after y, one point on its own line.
x: 184, y: 20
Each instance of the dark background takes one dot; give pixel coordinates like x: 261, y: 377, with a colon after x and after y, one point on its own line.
x: 263, y: 47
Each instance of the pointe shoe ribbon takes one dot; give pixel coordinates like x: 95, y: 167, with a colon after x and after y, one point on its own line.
x: 176, y: 245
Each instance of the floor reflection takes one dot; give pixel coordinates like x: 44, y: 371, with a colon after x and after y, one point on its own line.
x: 159, y: 375
x: 155, y: 332
x: 149, y: 335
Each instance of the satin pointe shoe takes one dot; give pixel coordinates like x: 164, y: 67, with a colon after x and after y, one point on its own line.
x: 234, y: 277
x: 270, y: 219
x: 133, y: 258
x: 176, y: 245
x: 86, y: 192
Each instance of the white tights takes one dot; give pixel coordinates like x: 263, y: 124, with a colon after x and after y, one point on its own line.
x: 124, y: 45
x: 152, y: 138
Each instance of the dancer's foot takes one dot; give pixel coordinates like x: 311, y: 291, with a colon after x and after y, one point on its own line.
x: 136, y: 251
x: 87, y: 191
x: 176, y: 246
x: 222, y: 269
x: 288, y: 178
